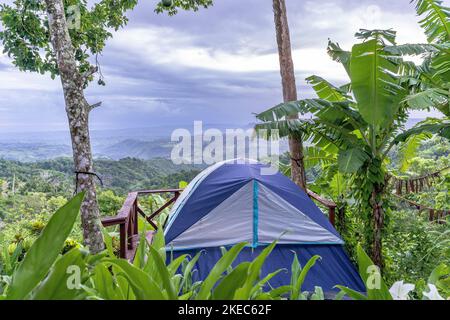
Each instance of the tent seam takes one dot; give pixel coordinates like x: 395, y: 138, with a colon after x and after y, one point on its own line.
x: 255, y: 214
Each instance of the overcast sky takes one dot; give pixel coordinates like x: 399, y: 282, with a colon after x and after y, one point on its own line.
x: 218, y: 65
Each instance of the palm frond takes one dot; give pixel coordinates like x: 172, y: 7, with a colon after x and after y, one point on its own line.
x: 339, y: 55
x: 429, y: 98
x: 385, y: 36
x: 440, y: 127
x: 418, y: 49
x: 326, y: 90
x: 315, y: 156
x: 436, y: 21
x: 282, y: 110
x: 408, y: 149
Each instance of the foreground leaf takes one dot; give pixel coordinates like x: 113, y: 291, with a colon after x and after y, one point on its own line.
x: 45, y: 250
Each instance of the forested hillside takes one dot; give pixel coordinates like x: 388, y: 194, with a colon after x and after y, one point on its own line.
x: 57, y: 176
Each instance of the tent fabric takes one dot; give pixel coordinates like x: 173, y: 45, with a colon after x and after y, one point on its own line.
x: 279, y: 219
x: 233, y: 217
x: 219, y: 182
x: 334, y: 267
x: 231, y: 202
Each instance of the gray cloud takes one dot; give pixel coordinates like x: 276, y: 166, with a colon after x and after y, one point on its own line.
x: 217, y: 65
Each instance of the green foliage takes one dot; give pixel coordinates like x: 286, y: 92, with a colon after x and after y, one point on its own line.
x: 359, y: 132
x: 45, y: 274
x: 413, y: 246
x: 172, y: 6
x: 371, y: 276
x: 437, y: 19
x: 44, y: 251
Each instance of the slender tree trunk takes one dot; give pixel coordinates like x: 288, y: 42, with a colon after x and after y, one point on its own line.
x: 289, y: 88
x: 378, y: 224
x: 77, y: 110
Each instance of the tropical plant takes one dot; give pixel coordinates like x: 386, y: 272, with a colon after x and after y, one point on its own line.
x: 429, y: 83
x: 359, y: 122
x: 45, y: 273
x: 376, y: 289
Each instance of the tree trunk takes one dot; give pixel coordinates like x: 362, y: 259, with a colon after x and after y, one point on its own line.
x: 77, y: 110
x: 289, y: 88
x: 378, y: 224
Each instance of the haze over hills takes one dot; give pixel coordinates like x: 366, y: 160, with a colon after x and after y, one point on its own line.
x: 141, y: 143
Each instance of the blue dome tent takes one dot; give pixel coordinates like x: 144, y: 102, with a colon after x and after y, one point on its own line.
x: 233, y: 202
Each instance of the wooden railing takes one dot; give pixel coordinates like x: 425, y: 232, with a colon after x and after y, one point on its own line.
x: 434, y: 215
x: 127, y: 219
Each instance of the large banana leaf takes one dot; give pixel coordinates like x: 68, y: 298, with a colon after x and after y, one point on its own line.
x: 416, y: 49
x: 374, y: 86
x: 351, y: 160
x: 408, y: 149
x: 426, y: 99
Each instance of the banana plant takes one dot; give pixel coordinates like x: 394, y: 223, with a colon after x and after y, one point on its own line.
x: 360, y: 122
x: 429, y: 83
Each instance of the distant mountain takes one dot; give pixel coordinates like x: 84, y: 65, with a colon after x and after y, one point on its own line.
x: 141, y: 143
x: 29, y: 152
x: 130, y: 148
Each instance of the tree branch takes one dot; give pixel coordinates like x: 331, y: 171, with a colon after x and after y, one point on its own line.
x: 95, y: 105
x: 88, y: 73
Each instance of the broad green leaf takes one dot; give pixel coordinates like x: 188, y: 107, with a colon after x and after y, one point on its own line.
x: 326, y: 90
x: 45, y: 250
x: 376, y: 90
x: 280, y: 292
x: 140, y: 256
x: 216, y: 272
x: 436, y: 21
x: 143, y: 286
x: 408, y: 149
x: 350, y: 161
x: 163, y: 273
x: 227, y: 287
x: 60, y: 284
x: 370, y: 274
x: 108, y: 243
x: 297, y: 286
x: 339, y: 55
x: 187, y: 273
x: 254, y: 272
x: 265, y: 280
x: 315, y: 156
x: 175, y: 264
x: 351, y: 293
x: 104, y: 283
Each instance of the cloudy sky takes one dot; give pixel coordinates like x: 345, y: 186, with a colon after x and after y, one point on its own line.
x: 218, y: 65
